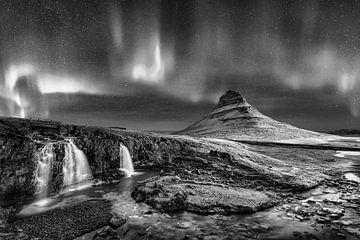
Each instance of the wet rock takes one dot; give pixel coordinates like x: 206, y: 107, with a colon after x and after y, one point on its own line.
x: 333, y: 210
x: 351, y: 197
x: 174, y: 195
x: 341, y: 235
x: 353, y: 230
x: 117, y: 221
x: 311, y: 201
x: 185, y: 225
x: 336, y: 215
x: 350, y: 205
x: 141, y: 232
x: 345, y: 222
x: 301, y: 218
x: 323, y: 220
x: 306, y: 212
x: 123, y: 229
x: 329, y: 191
x: 321, y: 213
x: 332, y: 200
x: 106, y: 233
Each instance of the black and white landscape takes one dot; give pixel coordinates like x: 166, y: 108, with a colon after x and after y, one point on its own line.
x: 236, y: 174
x: 191, y: 119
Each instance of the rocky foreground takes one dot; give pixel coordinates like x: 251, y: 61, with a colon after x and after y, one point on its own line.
x: 197, y: 173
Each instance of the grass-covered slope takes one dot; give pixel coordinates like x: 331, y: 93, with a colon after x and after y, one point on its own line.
x: 234, y: 118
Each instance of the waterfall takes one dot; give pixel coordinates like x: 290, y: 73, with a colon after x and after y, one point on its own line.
x: 126, y: 163
x: 75, y: 167
x: 43, y: 169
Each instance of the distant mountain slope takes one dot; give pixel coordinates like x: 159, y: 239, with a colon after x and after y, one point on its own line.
x: 234, y: 118
x: 346, y: 132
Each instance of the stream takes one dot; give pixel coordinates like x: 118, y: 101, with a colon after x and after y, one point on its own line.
x: 329, y: 211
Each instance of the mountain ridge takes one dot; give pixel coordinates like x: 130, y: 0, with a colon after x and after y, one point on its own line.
x: 235, y: 119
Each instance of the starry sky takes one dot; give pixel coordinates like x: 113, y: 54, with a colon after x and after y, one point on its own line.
x: 161, y: 65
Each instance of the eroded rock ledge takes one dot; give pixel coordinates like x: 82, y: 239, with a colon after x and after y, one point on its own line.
x: 202, y: 159
x: 172, y: 194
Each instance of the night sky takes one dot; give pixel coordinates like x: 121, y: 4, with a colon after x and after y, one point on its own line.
x: 161, y: 65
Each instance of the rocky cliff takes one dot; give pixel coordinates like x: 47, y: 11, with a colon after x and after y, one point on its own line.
x: 190, y: 167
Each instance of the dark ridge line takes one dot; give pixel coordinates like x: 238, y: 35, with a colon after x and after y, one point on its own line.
x: 249, y: 118
x: 244, y: 110
x: 296, y: 145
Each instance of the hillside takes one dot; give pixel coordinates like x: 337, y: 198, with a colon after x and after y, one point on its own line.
x: 235, y: 119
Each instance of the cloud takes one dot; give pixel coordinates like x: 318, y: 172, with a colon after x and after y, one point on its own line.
x: 188, y: 52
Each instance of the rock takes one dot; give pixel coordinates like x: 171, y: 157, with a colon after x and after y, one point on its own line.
x: 307, y: 211
x: 323, y: 220
x: 353, y: 230
x: 340, y: 235
x: 336, y: 215
x: 285, y: 195
x: 123, y: 230
x: 149, y: 212
x: 301, y: 218
x: 177, y: 196
x: 329, y: 191
x: 141, y: 232
x: 321, y: 213
x: 185, y: 225
x: 311, y: 201
x: 211, y: 237
x: 345, y: 222
x: 333, y: 210
x: 117, y: 221
x: 106, y: 233
x: 350, y: 205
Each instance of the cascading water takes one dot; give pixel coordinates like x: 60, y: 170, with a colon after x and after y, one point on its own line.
x: 75, y: 167
x: 126, y: 163
x: 43, y: 169
x: 76, y: 170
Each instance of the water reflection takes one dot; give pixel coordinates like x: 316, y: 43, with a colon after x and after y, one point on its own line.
x: 351, y: 171
x: 82, y: 193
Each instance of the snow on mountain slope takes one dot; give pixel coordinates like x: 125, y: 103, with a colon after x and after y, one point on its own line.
x: 234, y: 118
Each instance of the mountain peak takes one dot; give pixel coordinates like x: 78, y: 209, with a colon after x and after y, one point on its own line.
x: 231, y: 97
x: 235, y: 119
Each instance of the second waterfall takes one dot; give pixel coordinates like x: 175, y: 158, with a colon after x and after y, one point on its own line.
x: 126, y: 163
x: 76, y: 167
